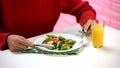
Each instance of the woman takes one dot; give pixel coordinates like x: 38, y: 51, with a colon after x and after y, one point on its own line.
x: 21, y: 19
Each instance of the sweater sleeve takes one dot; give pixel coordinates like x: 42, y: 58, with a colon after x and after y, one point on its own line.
x: 3, y: 37
x: 81, y: 9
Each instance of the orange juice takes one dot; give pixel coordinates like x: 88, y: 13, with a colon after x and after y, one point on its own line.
x: 97, y: 35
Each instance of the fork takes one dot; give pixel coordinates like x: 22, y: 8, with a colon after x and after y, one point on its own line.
x: 86, y: 38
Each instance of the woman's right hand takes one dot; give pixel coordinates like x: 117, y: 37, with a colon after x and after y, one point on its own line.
x: 16, y: 43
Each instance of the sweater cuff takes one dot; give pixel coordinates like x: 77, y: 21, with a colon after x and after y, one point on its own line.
x: 86, y: 16
x: 3, y: 41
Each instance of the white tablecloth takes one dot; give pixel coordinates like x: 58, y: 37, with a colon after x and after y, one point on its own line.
x: 105, y: 57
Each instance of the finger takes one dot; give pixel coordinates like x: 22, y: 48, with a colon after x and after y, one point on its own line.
x: 17, y: 47
x: 14, y: 48
x: 87, y: 25
x: 26, y: 42
x: 21, y: 46
x: 88, y: 31
x: 93, y: 22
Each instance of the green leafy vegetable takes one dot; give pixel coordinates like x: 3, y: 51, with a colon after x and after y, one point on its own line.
x: 59, y: 42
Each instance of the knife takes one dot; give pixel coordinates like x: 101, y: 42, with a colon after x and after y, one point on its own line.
x: 44, y: 45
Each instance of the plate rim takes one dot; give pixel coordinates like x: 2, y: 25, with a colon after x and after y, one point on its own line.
x: 81, y: 42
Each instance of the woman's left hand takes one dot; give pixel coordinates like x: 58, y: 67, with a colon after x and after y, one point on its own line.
x: 87, y: 26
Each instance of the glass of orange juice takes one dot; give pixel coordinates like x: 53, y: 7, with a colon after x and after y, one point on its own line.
x: 98, y: 34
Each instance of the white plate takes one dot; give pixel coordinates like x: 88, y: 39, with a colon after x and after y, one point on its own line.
x: 78, y: 44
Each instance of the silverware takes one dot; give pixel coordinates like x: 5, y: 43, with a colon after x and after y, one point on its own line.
x: 44, y: 45
x: 86, y: 38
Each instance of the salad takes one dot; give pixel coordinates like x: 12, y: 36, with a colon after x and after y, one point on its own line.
x: 59, y: 42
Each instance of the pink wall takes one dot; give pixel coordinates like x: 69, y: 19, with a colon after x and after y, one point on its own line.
x: 108, y: 10
x: 65, y: 21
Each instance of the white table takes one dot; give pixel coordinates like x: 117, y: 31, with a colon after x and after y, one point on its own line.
x: 90, y: 57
